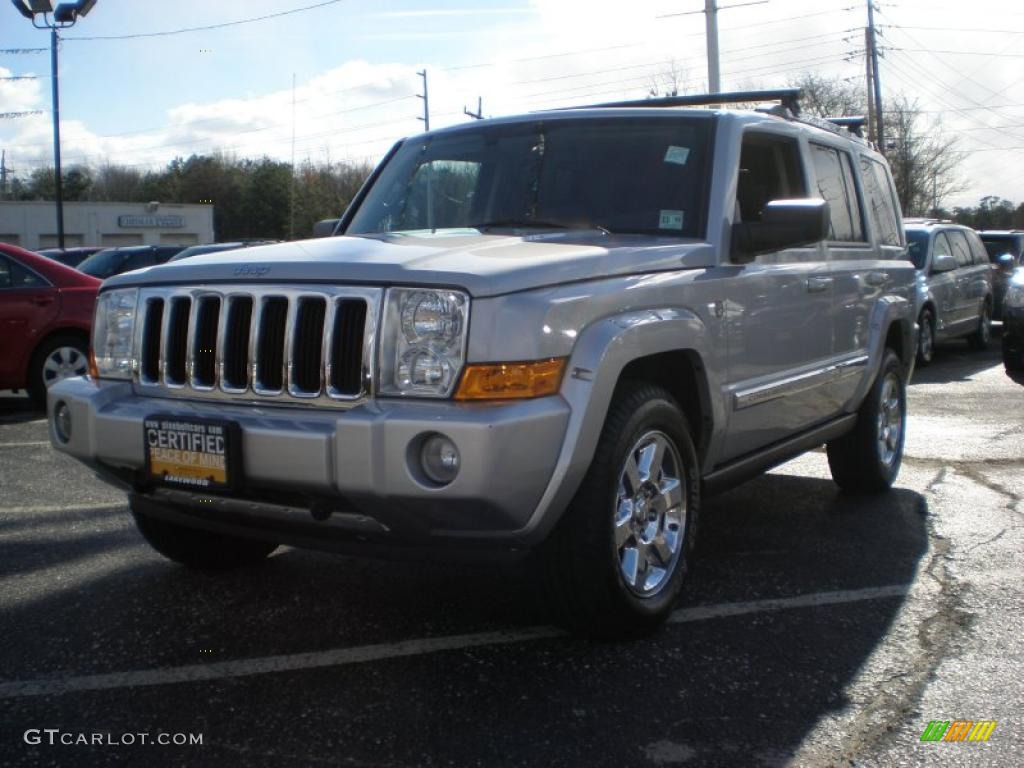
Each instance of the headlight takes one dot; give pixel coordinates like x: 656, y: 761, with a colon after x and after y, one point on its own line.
x: 113, y: 333
x: 423, y: 341
x: 1014, y: 297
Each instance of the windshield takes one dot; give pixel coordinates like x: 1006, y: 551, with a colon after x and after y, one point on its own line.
x: 637, y: 175
x: 917, y: 247
x: 104, y: 264
x: 997, y: 246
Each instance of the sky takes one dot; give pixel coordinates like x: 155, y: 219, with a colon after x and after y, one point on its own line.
x: 132, y: 95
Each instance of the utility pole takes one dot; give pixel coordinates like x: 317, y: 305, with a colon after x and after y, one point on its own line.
x: 871, y: 87
x: 3, y: 173
x: 291, y: 212
x: 711, y: 21
x: 876, y: 81
x: 479, y: 114
x: 58, y: 181
x: 426, y: 101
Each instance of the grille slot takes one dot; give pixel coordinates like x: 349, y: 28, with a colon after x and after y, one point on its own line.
x: 235, y: 345
x: 307, y: 346
x: 151, y: 332
x: 204, y: 350
x: 304, y: 344
x: 177, y: 341
x: 346, y: 370
x: 270, y: 345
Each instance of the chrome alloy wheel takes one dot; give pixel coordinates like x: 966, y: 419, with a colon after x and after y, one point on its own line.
x: 650, y: 514
x: 63, y: 363
x: 985, y: 329
x: 927, y: 340
x: 890, y: 420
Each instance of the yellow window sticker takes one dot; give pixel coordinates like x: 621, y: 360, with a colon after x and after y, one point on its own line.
x: 677, y: 155
x: 671, y: 220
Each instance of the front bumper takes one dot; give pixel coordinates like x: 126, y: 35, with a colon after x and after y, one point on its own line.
x: 321, y: 478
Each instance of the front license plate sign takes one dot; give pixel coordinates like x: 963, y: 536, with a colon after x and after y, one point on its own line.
x: 190, y: 453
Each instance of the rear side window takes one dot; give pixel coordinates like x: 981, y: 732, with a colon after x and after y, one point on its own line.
x: 961, y: 251
x: 977, y: 248
x: 140, y: 260
x: 836, y: 185
x: 879, y: 202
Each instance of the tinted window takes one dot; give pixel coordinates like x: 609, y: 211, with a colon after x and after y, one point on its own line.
x: 104, y: 264
x: 977, y: 248
x: 941, y: 246
x: 917, y: 247
x: 5, y: 273
x: 13, y: 275
x: 769, y: 170
x: 139, y: 260
x: 997, y: 246
x: 961, y: 250
x: 878, y: 200
x: 835, y: 184
x: 644, y: 175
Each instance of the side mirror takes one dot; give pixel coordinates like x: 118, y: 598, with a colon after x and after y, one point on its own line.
x: 784, y: 224
x: 1006, y: 262
x: 943, y: 263
x: 325, y: 227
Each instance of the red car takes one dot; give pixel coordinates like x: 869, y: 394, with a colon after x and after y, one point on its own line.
x: 45, y: 320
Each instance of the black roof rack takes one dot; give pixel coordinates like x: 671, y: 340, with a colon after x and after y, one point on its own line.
x: 788, y: 97
x: 854, y: 124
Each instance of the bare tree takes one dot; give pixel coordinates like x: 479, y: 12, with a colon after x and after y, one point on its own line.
x: 829, y: 96
x: 672, y: 80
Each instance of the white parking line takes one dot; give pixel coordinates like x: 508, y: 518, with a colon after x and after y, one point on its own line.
x: 60, y: 508
x: 361, y: 654
x: 34, y: 444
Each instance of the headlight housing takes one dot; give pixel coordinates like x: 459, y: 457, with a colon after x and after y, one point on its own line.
x: 423, y: 341
x: 113, y: 333
x: 1014, y: 297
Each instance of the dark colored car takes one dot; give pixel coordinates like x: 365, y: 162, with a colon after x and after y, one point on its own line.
x: 1000, y: 243
x: 70, y: 257
x: 114, y: 261
x: 199, y: 250
x: 1013, y: 322
x: 46, y: 313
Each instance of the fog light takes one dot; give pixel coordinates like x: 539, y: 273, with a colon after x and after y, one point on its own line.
x: 62, y: 421
x: 440, y: 459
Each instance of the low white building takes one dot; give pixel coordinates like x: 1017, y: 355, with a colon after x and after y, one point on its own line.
x: 33, y: 224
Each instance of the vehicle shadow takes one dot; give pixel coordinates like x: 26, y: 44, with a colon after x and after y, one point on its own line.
x: 17, y: 408
x: 740, y: 690
x: 955, y: 361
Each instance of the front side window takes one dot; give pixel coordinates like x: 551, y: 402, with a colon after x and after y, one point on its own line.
x: 917, y: 248
x: 626, y: 175
x: 13, y: 275
x: 941, y: 246
x: 836, y: 186
x: 770, y: 169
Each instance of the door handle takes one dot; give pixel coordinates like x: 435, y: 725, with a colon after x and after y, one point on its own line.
x: 818, y: 284
x: 877, y: 278
x: 42, y: 301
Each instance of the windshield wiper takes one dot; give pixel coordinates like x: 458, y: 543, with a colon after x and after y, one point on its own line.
x: 536, y: 224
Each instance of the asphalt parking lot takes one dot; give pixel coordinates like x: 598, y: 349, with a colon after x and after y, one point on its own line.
x: 817, y: 629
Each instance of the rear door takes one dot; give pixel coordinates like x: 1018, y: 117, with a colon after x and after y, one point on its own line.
x: 943, y: 287
x: 972, y: 281
x: 29, y: 305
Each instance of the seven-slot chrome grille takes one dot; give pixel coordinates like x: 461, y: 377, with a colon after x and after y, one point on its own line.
x: 300, y: 344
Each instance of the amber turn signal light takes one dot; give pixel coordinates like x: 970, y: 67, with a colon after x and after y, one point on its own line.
x: 511, y: 381
x: 94, y: 372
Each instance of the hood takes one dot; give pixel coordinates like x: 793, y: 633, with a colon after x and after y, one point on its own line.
x: 484, y: 265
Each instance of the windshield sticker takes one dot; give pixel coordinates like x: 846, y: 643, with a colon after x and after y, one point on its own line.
x: 677, y: 155
x: 671, y: 220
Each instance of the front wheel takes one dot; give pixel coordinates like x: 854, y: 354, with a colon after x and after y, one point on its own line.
x: 194, y: 548
x: 617, y: 560
x: 1013, y: 354
x: 867, y: 459
x: 981, y: 337
x: 925, y: 338
x: 57, y: 358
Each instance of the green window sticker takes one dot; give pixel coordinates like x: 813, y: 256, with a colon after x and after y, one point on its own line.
x: 677, y: 155
x: 671, y: 220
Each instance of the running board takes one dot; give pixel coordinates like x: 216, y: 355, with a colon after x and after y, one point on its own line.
x: 747, y: 467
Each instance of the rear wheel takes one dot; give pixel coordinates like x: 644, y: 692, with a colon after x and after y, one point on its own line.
x: 982, y: 336
x: 867, y: 459
x: 617, y: 560
x: 194, y: 548
x: 925, y: 338
x: 57, y: 358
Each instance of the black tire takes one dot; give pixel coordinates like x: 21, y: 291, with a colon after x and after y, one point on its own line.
x: 194, y: 548
x: 856, y: 459
x: 38, y: 378
x: 982, y: 337
x: 1013, y: 354
x: 925, y: 338
x: 583, y: 564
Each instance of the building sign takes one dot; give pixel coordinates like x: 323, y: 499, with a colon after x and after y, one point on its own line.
x: 158, y: 222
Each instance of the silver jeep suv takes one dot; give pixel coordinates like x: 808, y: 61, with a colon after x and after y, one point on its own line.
x: 954, y: 285
x: 550, y: 334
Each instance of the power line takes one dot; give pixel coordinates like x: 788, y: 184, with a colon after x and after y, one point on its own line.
x: 207, y: 27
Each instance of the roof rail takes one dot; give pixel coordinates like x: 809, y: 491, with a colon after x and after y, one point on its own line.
x: 788, y: 97
x: 854, y: 124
